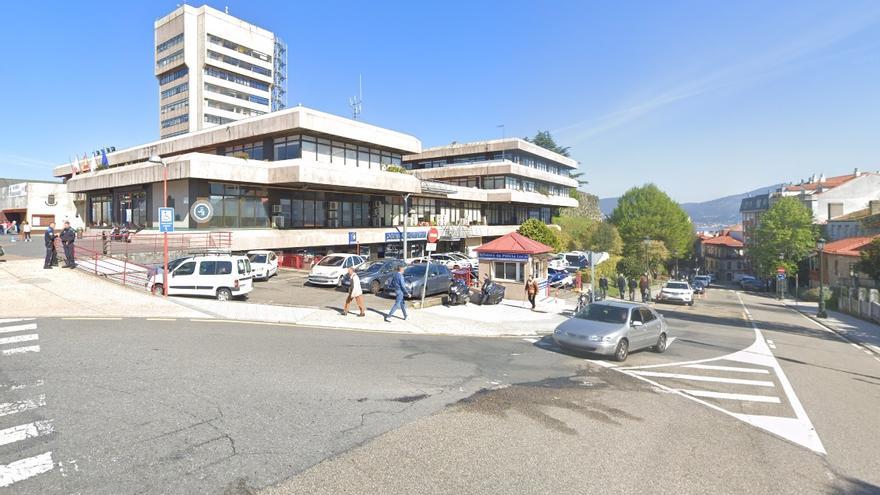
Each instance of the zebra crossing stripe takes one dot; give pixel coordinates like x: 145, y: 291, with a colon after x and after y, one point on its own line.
x: 23, y: 432
x: 703, y: 378
x: 742, y: 397
x: 19, y: 338
x: 8, y: 408
x: 18, y: 328
x: 21, y: 350
x: 14, y: 320
x: 23, y: 469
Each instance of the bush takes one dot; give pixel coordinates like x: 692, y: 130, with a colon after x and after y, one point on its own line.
x: 812, y: 295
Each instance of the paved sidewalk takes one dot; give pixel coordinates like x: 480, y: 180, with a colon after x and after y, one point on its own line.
x: 857, y: 330
x: 30, y: 291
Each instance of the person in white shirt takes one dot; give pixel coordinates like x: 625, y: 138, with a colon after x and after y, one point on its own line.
x: 354, y: 292
x: 26, y: 230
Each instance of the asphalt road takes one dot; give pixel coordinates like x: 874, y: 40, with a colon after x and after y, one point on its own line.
x: 773, y: 404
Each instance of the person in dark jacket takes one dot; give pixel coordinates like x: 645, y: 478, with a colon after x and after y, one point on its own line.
x: 632, y: 288
x: 621, y: 285
x: 603, y: 287
x: 68, y: 237
x: 398, y: 285
x: 49, y: 242
x: 645, y: 287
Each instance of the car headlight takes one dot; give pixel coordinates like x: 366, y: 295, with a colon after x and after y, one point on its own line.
x: 558, y: 331
x: 600, y: 338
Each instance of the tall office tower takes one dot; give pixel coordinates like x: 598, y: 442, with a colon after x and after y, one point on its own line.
x: 214, y: 69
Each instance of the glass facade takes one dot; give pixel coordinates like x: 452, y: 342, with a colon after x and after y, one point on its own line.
x: 238, y: 63
x: 229, y: 76
x: 253, y: 150
x: 177, y: 105
x: 171, y: 76
x: 216, y: 40
x: 180, y: 88
x: 509, y: 182
x: 175, y: 120
x: 241, y: 95
x: 516, y: 156
x: 161, y: 47
x: 247, y: 112
x: 170, y: 59
x: 100, y: 206
x: 331, y: 151
x: 216, y: 119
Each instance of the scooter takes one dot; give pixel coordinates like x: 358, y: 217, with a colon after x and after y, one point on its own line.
x: 491, y: 293
x: 584, y: 300
x: 459, y: 293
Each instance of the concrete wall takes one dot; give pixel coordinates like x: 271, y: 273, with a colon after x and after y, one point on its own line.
x: 35, y: 198
x: 854, y: 195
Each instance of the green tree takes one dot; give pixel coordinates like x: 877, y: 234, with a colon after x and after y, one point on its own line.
x: 574, y: 232
x: 651, y: 256
x: 539, y: 231
x: 870, y: 260
x: 647, y: 212
x: 785, y: 236
x: 604, y: 237
x: 545, y: 140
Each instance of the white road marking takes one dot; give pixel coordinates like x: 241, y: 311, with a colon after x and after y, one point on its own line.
x: 703, y: 378
x: 669, y: 341
x: 531, y: 340
x: 19, y: 338
x: 25, y: 468
x: 23, y: 432
x: 21, y: 350
x: 722, y: 395
x: 728, y: 368
x: 18, y: 328
x: 771, y: 344
x: 19, y: 386
x: 8, y: 408
x: 605, y: 364
x: 14, y: 320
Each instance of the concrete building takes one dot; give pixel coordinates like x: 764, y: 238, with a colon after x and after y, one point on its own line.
x: 723, y: 255
x: 321, y: 182
x: 38, y: 202
x: 860, y: 223
x: 214, y: 69
x: 838, y: 260
x: 832, y: 197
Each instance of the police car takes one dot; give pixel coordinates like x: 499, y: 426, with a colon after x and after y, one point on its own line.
x: 219, y: 275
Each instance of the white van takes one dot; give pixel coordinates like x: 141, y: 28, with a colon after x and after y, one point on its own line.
x: 223, y: 276
x: 331, y: 268
x: 263, y: 263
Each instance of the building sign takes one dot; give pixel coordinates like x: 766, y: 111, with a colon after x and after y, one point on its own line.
x: 410, y: 236
x: 520, y: 257
x: 352, y: 238
x: 166, y: 219
x: 17, y: 190
x: 202, y: 211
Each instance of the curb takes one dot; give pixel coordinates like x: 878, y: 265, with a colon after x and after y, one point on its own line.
x: 853, y: 341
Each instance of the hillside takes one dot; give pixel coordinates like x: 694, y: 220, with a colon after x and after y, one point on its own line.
x: 706, y: 215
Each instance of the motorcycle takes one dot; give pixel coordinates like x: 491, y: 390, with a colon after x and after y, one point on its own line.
x: 584, y: 300
x: 459, y: 293
x: 491, y: 293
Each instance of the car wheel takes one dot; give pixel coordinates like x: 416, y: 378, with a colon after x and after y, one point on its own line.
x: 661, y: 344
x: 691, y: 303
x: 622, y: 350
x: 224, y: 294
x: 157, y: 289
x: 375, y: 287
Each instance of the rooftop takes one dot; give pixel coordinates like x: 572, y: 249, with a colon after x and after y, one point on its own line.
x: 515, y: 243
x: 850, y: 246
x: 724, y: 240
x: 828, y: 183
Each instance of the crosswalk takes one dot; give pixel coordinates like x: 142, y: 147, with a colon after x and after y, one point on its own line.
x: 21, y: 405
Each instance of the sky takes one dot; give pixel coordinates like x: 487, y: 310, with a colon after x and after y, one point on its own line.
x: 702, y: 98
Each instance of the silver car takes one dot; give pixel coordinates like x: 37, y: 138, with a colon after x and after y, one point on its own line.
x: 613, y: 328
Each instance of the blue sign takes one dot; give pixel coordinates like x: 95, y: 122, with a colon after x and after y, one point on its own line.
x: 780, y: 276
x: 166, y: 219
x: 352, y: 237
x: 503, y: 257
x: 410, y: 236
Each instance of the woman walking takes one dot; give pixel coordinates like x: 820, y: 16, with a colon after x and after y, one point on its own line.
x: 26, y: 229
x: 532, y: 291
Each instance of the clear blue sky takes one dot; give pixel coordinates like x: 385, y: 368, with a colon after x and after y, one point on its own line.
x: 704, y: 98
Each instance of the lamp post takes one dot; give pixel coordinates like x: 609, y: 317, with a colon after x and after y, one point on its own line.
x: 158, y: 160
x: 647, y: 263
x: 779, y: 285
x: 820, y: 247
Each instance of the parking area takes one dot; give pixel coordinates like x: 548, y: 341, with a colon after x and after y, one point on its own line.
x: 289, y: 288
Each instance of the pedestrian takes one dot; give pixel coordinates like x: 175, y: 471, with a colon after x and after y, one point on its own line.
x: 3, y: 225
x: 632, y: 288
x: 484, y: 290
x: 400, y: 292
x: 603, y: 287
x: 12, y: 231
x: 644, y: 287
x: 621, y: 285
x: 354, y: 292
x: 26, y: 230
x: 532, y: 291
x: 68, y: 237
x: 49, y: 241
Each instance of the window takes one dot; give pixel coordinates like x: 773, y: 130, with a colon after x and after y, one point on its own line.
x: 287, y: 148
x: 180, y: 88
x: 509, y: 271
x: 161, y: 47
x: 309, y: 148
x: 175, y: 121
x: 229, y: 76
x: 216, y: 119
x: 253, y: 150
x: 177, y: 105
x: 99, y: 211
x: 207, y: 267
x: 239, y: 48
x: 171, y: 76
x: 238, y: 63
x: 241, y: 95
x: 187, y: 268
x: 170, y: 59
x: 247, y: 112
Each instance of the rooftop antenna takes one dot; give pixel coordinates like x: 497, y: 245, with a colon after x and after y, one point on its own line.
x: 357, y: 102
x: 226, y: 9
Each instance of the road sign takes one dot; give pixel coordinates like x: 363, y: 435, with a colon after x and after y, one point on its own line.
x: 780, y: 276
x: 780, y: 270
x: 431, y: 247
x: 352, y: 237
x: 166, y: 219
x: 433, y: 235
x: 202, y: 211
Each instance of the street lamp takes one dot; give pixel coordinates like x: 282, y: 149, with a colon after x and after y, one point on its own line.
x: 156, y: 159
x: 647, y: 262
x: 820, y: 246
x: 780, y: 288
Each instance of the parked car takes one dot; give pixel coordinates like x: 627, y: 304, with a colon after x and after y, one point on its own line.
x: 558, y: 263
x: 753, y: 285
x: 559, y: 278
x: 676, y: 291
x: 414, y: 279
x: 451, y: 262
x: 576, y: 260
x: 331, y: 268
x: 263, y: 263
x: 746, y: 279
x: 704, y: 279
x: 698, y: 287
x: 474, y: 262
x: 613, y: 328
x: 374, y: 276
x: 223, y: 276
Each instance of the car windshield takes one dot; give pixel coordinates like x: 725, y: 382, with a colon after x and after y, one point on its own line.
x: 373, y: 267
x: 332, y: 261
x: 175, y: 263
x: 676, y: 285
x: 257, y: 258
x: 415, y: 271
x: 604, y: 313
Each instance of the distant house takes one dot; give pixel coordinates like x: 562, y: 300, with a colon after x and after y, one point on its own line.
x: 838, y: 263
x: 751, y: 209
x: 723, y: 254
x: 860, y: 223
x: 833, y: 197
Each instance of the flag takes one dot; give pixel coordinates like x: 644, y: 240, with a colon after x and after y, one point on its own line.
x: 84, y: 164
x: 74, y: 166
x: 104, y: 162
x: 93, y: 164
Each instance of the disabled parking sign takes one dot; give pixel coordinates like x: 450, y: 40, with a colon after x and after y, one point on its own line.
x: 166, y: 219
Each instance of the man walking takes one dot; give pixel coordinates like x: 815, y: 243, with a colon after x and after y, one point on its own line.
x: 644, y: 287
x: 632, y: 288
x: 49, y: 242
x: 68, y: 237
x: 532, y: 291
x: 603, y: 287
x: 399, y: 287
x: 355, y: 292
x: 621, y: 285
